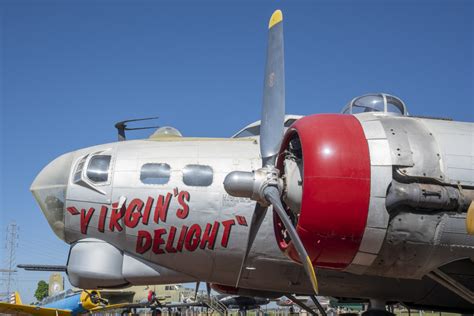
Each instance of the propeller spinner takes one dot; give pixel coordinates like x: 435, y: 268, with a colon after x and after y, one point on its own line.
x: 264, y: 185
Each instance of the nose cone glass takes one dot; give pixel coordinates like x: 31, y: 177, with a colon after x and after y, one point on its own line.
x: 49, y: 190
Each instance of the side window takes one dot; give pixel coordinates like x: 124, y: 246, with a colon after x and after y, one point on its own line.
x: 98, y: 168
x: 248, y: 132
x: 197, y: 175
x: 289, y: 122
x: 79, y: 168
x: 155, y: 173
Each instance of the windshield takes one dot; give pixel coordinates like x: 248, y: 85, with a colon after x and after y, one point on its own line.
x: 255, y: 130
x: 380, y: 102
x: 248, y: 132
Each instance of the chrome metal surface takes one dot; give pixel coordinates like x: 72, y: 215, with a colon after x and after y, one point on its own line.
x: 273, y: 108
x: 93, y: 263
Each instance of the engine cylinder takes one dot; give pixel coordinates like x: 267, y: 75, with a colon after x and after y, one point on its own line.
x: 335, y: 188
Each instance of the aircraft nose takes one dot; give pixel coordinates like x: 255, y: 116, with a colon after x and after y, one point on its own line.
x: 49, y: 190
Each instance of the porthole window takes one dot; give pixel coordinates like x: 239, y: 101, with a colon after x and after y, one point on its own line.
x: 197, y: 175
x: 98, y: 168
x: 155, y: 173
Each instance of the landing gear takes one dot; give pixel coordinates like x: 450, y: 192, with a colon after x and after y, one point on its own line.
x: 243, y: 312
x: 156, y: 312
x: 377, y: 308
x: 126, y: 312
x: 132, y: 312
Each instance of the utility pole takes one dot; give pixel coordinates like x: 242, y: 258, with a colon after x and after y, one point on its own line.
x: 11, y: 243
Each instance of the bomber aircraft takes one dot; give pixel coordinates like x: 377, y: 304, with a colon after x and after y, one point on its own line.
x: 378, y: 201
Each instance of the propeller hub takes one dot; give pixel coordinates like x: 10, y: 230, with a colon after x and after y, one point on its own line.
x: 253, y: 184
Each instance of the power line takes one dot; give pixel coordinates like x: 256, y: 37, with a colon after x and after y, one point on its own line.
x: 11, y: 243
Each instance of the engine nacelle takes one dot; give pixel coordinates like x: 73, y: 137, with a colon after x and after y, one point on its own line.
x: 367, y: 191
x: 326, y: 167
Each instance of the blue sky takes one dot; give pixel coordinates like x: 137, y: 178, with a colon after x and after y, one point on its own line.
x: 69, y: 70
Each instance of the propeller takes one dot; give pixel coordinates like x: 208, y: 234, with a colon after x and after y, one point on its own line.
x: 264, y: 185
x: 470, y: 219
x: 95, y: 298
x: 122, y: 126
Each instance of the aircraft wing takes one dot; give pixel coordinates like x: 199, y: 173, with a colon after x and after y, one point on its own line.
x: 179, y: 305
x: 16, y: 309
x: 119, y: 306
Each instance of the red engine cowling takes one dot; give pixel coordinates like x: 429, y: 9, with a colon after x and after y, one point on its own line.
x: 335, y: 188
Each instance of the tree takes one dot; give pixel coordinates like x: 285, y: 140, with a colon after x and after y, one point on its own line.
x: 42, y: 290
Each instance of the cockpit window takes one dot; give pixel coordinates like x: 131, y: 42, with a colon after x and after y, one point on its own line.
x: 255, y: 130
x: 395, y: 105
x: 197, y: 175
x: 380, y: 102
x: 368, y: 103
x: 289, y: 122
x: 98, y: 168
x: 79, y: 168
x: 155, y: 173
x: 249, y: 132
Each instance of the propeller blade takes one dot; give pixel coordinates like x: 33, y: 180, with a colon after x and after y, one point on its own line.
x: 257, y: 219
x: 470, y: 219
x: 95, y: 298
x: 273, y: 109
x: 273, y: 196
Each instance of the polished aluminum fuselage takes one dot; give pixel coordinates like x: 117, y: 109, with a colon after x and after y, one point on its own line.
x: 210, y: 205
x: 187, y: 233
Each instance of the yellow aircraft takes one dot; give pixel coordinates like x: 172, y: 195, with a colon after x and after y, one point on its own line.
x: 66, y: 303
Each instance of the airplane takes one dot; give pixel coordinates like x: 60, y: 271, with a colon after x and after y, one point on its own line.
x: 284, y: 301
x: 133, y: 297
x: 243, y: 303
x: 77, y: 301
x: 64, y: 303
x: 329, y: 305
x: 378, y: 201
x: 221, y: 303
